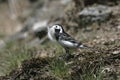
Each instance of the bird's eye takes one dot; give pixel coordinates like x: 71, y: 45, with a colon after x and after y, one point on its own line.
x: 57, y: 30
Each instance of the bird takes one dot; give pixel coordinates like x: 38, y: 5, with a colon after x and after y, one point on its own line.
x: 56, y: 33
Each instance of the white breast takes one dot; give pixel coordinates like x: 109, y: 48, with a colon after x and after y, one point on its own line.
x: 51, y: 35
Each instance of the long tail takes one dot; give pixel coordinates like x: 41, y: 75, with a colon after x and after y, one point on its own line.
x: 83, y: 46
x: 87, y: 47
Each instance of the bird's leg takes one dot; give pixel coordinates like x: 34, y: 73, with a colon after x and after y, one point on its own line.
x: 67, y: 51
x: 67, y: 55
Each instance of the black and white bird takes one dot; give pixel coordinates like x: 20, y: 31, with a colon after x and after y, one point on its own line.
x: 56, y: 33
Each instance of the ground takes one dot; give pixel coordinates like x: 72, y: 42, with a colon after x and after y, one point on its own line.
x: 100, y: 62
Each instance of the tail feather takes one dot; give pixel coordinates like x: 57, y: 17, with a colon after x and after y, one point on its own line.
x: 80, y: 45
x: 83, y: 46
x: 89, y: 48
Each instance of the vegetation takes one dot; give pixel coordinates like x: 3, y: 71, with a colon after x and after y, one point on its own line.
x: 12, y: 57
x: 19, y: 61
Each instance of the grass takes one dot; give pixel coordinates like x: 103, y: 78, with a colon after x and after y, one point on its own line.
x: 54, y: 48
x: 2, y: 35
x: 59, y: 69
x: 92, y: 76
x: 12, y: 56
x: 57, y: 66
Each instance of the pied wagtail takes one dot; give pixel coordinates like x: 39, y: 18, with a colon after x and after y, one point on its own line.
x: 56, y: 33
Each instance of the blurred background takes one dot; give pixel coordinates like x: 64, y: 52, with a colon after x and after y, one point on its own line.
x: 24, y: 42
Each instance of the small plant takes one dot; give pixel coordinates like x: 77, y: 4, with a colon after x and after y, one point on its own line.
x: 12, y: 56
x: 92, y: 76
x: 59, y: 69
x: 92, y: 71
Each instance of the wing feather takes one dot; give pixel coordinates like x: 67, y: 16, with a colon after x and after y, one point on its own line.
x: 66, y: 37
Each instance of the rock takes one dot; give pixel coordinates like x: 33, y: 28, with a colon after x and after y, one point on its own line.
x: 65, y: 1
x: 118, y: 27
x: 95, y: 13
x: 116, y: 52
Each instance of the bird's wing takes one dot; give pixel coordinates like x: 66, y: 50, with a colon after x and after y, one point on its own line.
x: 67, y: 37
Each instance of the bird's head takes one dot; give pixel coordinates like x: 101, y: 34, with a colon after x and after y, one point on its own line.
x: 57, y: 28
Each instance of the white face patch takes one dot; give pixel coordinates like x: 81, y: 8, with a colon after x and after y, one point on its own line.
x: 58, y: 27
x: 51, y: 31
